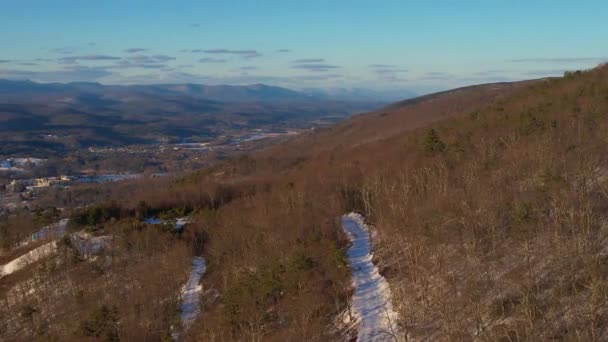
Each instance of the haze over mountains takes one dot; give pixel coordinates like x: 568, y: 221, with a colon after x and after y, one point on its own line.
x: 58, y: 116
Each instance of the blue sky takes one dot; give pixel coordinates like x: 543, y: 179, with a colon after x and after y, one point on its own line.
x: 380, y: 44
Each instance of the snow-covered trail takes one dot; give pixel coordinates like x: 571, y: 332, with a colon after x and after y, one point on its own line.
x: 191, y: 294
x: 371, y: 301
x: 86, y: 244
x: 51, y: 232
x: 28, y: 258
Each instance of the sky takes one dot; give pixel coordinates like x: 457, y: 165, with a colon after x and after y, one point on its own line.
x: 388, y: 45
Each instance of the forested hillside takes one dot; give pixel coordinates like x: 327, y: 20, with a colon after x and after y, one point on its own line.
x: 489, y: 207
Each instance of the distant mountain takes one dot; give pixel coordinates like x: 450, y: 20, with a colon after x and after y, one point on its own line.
x: 228, y: 93
x: 221, y: 93
x: 361, y: 94
x: 90, y: 114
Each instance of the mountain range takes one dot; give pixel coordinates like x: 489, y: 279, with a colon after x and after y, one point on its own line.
x: 81, y: 114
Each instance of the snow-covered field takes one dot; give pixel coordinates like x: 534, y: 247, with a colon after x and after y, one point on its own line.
x: 371, y: 301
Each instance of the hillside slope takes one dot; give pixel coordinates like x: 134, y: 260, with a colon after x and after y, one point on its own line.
x: 490, y: 213
x: 399, y: 118
x: 492, y: 224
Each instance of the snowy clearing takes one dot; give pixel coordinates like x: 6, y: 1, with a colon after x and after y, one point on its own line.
x: 28, y: 258
x: 371, y: 301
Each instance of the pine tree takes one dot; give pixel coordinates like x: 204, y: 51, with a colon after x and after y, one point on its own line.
x: 432, y: 142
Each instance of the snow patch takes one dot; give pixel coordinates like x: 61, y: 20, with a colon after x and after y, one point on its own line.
x: 88, y: 245
x: 152, y: 220
x: 55, y: 230
x: 181, y: 222
x: 371, y: 301
x: 26, y: 161
x: 107, y: 178
x: 178, y: 223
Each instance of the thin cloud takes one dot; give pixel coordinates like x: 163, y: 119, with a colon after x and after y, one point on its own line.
x: 211, y: 60
x: 322, y: 77
x: 65, y: 50
x: 195, y: 25
x: 151, y: 59
x: 374, y: 66
x: 75, y: 59
x: 386, y: 69
x: 395, y: 79
x: 545, y: 73
x: 243, y: 53
x: 5, y: 60
x: 390, y: 71
x: 68, y: 74
x: 308, y: 60
x: 248, y: 68
x: 135, y: 50
x: 482, y: 79
x: 317, y: 67
x: 137, y: 65
x: 284, y: 50
x: 486, y: 73
x: 437, y: 76
x: 162, y: 58
x: 144, y: 62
